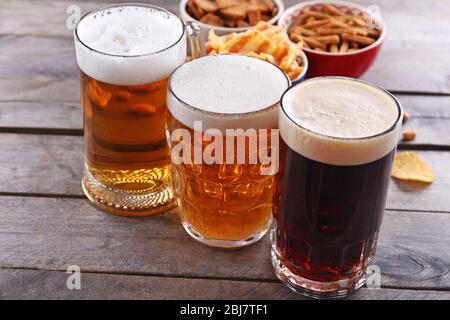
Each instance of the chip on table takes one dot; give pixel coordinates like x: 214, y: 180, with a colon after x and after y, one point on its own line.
x: 410, y: 167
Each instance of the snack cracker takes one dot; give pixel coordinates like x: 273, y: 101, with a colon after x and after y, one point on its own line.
x: 409, y: 166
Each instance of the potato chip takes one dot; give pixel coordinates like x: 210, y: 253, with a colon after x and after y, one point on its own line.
x: 409, y: 166
x: 266, y: 42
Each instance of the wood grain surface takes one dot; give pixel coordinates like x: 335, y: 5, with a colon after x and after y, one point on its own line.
x: 33, y: 284
x: 46, y: 223
x: 52, y: 165
x: 413, y: 251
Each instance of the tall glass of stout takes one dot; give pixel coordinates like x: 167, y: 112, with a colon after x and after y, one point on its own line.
x: 338, y: 140
x: 221, y: 124
x: 125, y: 54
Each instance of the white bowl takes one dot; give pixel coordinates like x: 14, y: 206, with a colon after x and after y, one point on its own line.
x: 302, y: 75
x: 220, y: 31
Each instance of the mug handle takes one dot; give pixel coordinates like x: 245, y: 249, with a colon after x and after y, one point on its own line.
x: 195, y: 37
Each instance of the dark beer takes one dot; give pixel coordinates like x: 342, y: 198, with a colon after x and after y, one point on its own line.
x: 330, y: 227
x: 330, y: 192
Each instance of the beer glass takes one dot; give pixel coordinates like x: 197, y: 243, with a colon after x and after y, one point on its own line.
x: 221, y: 128
x: 125, y: 54
x: 338, y: 140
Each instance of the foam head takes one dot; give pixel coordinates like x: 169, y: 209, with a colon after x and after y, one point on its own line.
x: 340, y: 121
x: 130, y: 44
x: 227, y: 91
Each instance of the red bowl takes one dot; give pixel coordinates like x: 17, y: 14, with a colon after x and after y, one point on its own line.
x: 349, y: 64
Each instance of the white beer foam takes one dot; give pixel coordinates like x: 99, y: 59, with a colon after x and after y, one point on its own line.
x: 334, y: 121
x: 227, y: 91
x: 133, y: 44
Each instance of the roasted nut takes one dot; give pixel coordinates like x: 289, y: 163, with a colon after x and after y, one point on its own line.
x: 212, y: 20
x: 232, y: 13
x: 409, y: 135
x: 406, y: 116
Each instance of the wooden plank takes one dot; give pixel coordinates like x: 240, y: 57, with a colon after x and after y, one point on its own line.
x: 41, y: 164
x: 411, y: 60
x: 430, y: 118
x: 33, y: 284
x: 16, y: 21
x: 434, y: 197
x: 30, y: 73
x: 423, y: 21
x: 52, y: 79
x: 49, y: 234
x: 56, y: 116
x: 47, y: 164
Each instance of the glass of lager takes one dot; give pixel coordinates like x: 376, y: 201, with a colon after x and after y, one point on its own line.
x: 338, y: 140
x: 125, y: 54
x: 222, y: 130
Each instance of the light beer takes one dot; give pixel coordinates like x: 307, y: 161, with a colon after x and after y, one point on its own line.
x: 227, y: 203
x: 339, y: 138
x: 125, y: 54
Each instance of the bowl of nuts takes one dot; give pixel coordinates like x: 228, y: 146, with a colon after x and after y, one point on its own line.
x: 228, y: 16
x: 340, y: 38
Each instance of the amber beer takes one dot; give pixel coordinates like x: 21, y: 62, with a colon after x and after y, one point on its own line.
x: 339, y: 138
x: 226, y: 203
x: 125, y: 54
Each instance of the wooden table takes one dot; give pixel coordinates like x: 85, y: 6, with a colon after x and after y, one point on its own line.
x: 47, y: 224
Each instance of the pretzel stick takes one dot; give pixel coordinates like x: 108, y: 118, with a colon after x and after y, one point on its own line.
x: 331, y: 31
x: 316, y: 14
x: 333, y: 10
x: 307, y: 32
x: 334, y: 39
x: 361, y: 31
x: 314, y: 24
x: 344, y: 46
x: 301, y: 31
x: 374, y: 33
x: 299, y: 20
x: 358, y: 39
x: 358, y: 22
x: 299, y: 40
x: 343, y: 18
x: 337, y: 23
x: 296, y: 37
x: 314, y: 43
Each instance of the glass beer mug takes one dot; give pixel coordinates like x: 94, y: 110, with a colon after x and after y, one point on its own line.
x: 338, y: 140
x: 125, y: 54
x: 222, y: 121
